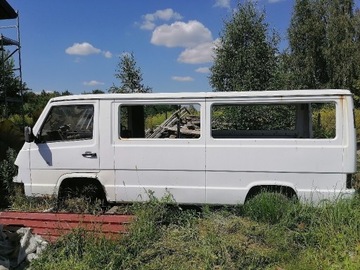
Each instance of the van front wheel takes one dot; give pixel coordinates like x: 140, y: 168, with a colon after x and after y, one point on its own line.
x: 81, y: 195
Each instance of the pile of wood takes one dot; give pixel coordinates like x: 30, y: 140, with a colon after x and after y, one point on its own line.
x: 181, y: 124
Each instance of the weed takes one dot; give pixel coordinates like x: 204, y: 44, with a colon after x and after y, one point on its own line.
x: 20, y: 202
x: 326, y: 236
x: 81, y: 205
x: 77, y: 250
x: 267, y: 207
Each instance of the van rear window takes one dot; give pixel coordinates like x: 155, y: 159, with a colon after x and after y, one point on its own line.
x: 299, y: 120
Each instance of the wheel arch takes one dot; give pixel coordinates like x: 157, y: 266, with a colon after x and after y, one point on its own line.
x: 79, y: 179
x: 286, y: 189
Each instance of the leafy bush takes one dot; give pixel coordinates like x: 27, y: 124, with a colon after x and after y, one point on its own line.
x: 7, y: 171
x: 21, y: 121
x: 323, y: 120
x: 10, y: 136
x: 357, y: 123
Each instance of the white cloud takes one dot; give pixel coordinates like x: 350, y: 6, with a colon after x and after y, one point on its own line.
x: 164, y: 15
x: 182, y: 79
x: 167, y: 14
x: 148, y: 25
x: 181, y: 34
x: 93, y: 83
x: 202, y: 70
x: 202, y: 53
x: 82, y: 49
x: 107, y: 54
x: 222, y: 3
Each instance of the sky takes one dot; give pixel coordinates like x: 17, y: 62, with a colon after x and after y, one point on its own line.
x: 75, y: 46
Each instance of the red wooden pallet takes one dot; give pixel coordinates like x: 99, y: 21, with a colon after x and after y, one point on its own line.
x: 52, y: 225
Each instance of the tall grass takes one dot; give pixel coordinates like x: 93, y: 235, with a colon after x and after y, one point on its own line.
x: 328, y: 236
x: 294, y: 236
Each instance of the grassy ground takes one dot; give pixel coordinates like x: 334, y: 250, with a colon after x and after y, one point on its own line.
x: 267, y: 233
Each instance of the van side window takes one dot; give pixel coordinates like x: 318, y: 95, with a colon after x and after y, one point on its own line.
x: 282, y: 120
x: 67, y: 123
x: 158, y: 121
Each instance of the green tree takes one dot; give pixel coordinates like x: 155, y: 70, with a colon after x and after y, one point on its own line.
x: 283, y: 76
x: 343, y: 44
x: 245, y: 59
x: 130, y: 76
x: 10, y: 86
x: 324, y: 44
x: 94, y: 92
x: 307, y: 40
x: 97, y: 91
x: 35, y: 103
x: 356, y: 20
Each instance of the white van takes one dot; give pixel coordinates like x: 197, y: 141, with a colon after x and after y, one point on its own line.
x: 212, y: 148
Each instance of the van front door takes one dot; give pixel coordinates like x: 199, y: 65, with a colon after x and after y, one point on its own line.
x: 66, y: 142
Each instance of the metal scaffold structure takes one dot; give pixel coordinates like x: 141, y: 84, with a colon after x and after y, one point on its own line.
x: 10, y: 47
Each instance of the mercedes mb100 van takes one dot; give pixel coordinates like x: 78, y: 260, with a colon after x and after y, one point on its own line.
x: 201, y: 148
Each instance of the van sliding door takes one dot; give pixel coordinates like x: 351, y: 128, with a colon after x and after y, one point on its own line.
x: 159, y: 151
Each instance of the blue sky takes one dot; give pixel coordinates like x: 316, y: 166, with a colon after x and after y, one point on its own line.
x: 75, y: 45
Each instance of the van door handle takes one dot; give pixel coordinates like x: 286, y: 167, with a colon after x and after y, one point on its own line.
x: 89, y: 154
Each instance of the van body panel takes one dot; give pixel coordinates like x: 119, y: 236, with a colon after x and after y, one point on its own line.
x: 349, y: 144
x: 23, y: 163
x: 224, y: 187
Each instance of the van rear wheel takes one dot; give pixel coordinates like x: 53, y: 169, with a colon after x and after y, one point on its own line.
x: 268, y: 206
x: 287, y: 192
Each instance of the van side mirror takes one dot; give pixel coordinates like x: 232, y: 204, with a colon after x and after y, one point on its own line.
x: 29, y: 136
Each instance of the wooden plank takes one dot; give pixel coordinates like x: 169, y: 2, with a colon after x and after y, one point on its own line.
x: 52, y: 225
x: 66, y: 217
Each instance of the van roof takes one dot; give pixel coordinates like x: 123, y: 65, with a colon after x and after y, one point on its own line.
x: 208, y: 95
